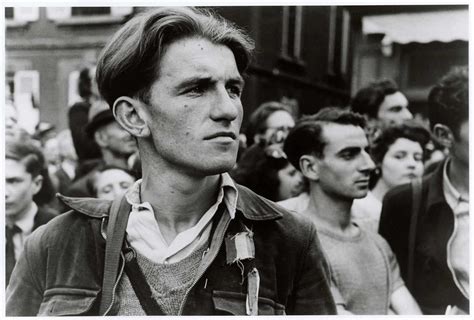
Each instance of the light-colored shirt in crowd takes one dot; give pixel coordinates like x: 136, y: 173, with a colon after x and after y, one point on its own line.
x: 458, y: 244
x: 26, y: 224
x: 296, y: 204
x: 366, y: 212
x: 364, y: 270
x: 143, y: 231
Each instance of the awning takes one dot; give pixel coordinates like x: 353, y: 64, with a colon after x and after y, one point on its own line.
x: 422, y: 27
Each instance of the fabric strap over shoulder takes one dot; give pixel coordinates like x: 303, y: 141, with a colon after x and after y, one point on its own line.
x: 416, y: 186
x: 117, y: 223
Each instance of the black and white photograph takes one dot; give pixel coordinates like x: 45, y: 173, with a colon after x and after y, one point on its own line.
x: 167, y: 159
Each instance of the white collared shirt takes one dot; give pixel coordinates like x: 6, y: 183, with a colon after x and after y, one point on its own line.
x: 143, y: 231
x: 26, y: 225
x: 458, y: 244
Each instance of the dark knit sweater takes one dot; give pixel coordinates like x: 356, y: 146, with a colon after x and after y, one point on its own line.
x: 169, y: 283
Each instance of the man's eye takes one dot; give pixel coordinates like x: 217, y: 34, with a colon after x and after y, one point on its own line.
x: 196, y: 89
x: 234, y: 91
x: 347, y: 155
x: 396, y: 109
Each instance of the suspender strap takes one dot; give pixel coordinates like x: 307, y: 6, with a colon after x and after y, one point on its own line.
x: 142, y: 288
x: 118, y: 218
x: 415, y: 209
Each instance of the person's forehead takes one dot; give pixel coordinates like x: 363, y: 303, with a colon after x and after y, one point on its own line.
x: 404, y: 144
x: 14, y: 168
x: 279, y: 118
x: 195, y: 56
x: 341, y: 136
x: 395, y: 99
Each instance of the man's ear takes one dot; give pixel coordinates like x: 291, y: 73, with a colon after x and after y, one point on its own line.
x: 443, y: 134
x: 100, y: 138
x: 37, y: 183
x: 131, y: 114
x: 309, y: 166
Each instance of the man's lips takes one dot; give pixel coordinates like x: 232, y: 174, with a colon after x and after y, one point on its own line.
x: 227, y: 134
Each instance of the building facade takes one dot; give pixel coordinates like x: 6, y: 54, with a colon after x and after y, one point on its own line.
x: 307, y: 56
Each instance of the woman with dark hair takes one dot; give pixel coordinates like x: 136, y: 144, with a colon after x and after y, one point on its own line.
x: 398, y: 153
x: 267, y: 172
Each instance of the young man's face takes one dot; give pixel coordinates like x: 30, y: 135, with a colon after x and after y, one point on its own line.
x: 20, y: 187
x: 394, y: 109
x: 345, y: 165
x: 195, y: 110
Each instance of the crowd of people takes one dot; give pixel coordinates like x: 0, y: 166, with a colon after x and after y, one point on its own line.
x: 166, y: 208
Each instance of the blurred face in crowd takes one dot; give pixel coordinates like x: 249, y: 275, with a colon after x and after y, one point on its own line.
x: 394, y: 109
x: 117, y: 140
x: 345, y: 165
x: 194, y: 113
x: 402, y: 163
x: 51, y: 151
x: 278, y: 124
x: 20, y: 187
x: 112, y: 183
x: 291, y: 182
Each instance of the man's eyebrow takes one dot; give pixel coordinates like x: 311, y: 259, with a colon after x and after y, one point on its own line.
x: 237, y: 80
x: 193, y: 80
x: 349, y: 149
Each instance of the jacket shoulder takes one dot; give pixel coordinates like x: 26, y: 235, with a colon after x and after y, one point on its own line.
x: 257, y: 208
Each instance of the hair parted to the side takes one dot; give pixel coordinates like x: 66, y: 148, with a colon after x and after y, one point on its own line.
x: 129, y: 63
x: 449, y: 100
x: 367, y: 100
x: 26, y: 152
x: 306, y: 137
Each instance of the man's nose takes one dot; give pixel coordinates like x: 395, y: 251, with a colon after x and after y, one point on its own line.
x: 225, y: 107
x: 368, y: 163
x: 407, y: 114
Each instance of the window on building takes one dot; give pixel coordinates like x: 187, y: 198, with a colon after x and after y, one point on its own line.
x: 9, y: 13
x: 90, y: 11
x: 292, y: 26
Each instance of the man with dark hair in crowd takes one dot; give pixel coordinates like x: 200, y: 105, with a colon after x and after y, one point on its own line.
x: 185, y: 239
x: 382, y: 101
x: 24, y: 169
x: 428, y: 228
x: 87, y: 150
x: 116, y: 146
x: 331, y: 150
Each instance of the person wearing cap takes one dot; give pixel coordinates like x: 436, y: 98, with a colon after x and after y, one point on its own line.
x: 185, y: 239
x: 116, y: 146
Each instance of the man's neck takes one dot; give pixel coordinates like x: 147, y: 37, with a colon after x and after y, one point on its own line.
x: 458, y: 174
x: 331, y: 211
x: 178, y: 201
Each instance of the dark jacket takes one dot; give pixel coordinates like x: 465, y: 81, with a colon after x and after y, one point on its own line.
x: 42, y: 217
x: 61, y: 270
x: 433, y: 284
x: 86, y: 147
